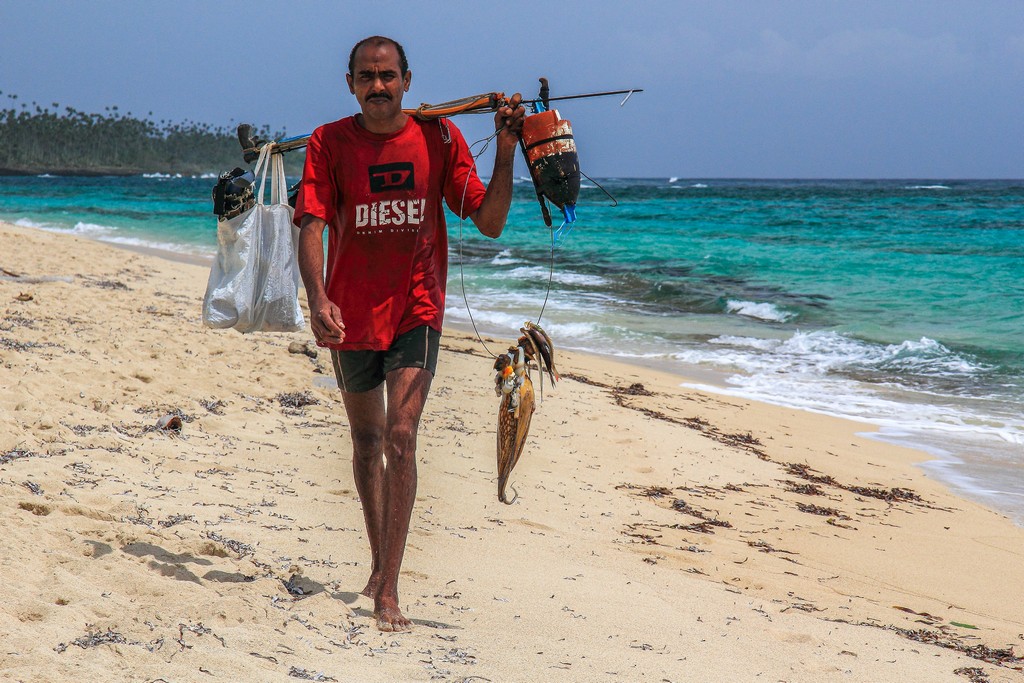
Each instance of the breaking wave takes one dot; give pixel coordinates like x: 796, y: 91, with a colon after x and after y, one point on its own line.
x: 761, y: 311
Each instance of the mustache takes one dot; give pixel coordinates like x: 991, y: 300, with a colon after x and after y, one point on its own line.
x: 378, y: 94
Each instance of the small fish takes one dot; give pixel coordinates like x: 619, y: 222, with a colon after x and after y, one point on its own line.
x: 536, y: 340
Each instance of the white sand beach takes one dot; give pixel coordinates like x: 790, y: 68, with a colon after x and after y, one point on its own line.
x: 660, y: 534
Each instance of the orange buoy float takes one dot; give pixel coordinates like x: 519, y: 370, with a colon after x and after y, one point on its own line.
x: 550, y: 151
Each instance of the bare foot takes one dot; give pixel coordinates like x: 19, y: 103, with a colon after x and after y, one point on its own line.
x: 389, y: 617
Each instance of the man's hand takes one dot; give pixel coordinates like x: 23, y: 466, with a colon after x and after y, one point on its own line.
x: 508, y: 121
x: 325, y: 319
x: 325, y: 316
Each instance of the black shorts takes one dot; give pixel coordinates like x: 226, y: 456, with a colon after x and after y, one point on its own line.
x: 359, y: 371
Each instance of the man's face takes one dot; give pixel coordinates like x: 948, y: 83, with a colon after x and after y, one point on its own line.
x: 377, y: 82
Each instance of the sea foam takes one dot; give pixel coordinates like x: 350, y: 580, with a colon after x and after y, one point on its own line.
x: 172, y: 247
x: 504, y: 258
x: 827, y: 372
x: 761, y: 311
x: 826, y: 352
x: 81, y: 228
x: 29, y: 223
x: 538, y: 274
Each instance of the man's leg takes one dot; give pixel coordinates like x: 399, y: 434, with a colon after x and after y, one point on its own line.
x: 366, y: 420
x: 407, y: 390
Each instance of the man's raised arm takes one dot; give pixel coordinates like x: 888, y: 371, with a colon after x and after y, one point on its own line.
x: 491, y: 216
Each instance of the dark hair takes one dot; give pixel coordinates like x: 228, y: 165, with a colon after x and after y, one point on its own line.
x: 377, y: 41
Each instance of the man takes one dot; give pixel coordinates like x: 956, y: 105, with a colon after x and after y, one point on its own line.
x: 378, y: 179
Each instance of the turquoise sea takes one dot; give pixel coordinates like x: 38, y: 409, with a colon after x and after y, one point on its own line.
x: 897, y: 303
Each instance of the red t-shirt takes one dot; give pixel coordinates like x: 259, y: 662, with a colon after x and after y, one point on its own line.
x: 387, y: 249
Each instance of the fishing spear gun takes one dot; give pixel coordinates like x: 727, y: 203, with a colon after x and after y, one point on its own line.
x: 546, y: 141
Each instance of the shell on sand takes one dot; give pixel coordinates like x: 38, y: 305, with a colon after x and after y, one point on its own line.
x: 169, y: 423
x: 513, y: 425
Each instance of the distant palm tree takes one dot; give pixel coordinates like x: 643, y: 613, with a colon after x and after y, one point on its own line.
x: 78, y: 142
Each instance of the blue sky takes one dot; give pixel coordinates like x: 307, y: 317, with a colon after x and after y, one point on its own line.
x: 783, y: 89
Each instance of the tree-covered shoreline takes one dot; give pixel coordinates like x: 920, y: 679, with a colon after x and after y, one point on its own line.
x: 37, y: 139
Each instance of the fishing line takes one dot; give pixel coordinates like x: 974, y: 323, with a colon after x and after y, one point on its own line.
x: 615, y: 202
x: 462, y: 271
x: 561, y: 233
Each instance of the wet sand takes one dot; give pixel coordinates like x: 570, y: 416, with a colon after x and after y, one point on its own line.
x: 660, y: 533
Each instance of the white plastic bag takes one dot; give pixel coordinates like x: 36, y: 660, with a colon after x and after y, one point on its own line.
x: 254, y: 282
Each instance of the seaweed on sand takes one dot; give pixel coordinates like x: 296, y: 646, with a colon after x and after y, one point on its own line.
x: 804, y: 489
x: 213, y: 406
x: 18, y: 454
x: 15, y: 345
x: 174, y: 520
x: 819, y: 510
x: 680, y: 505
x: 648, y: 491
x: 999, y: 656
x: 94, y: 639
x: 743, y: 441
x: 106, y: 284
x: 635, y: 389
x: 765, y: 547
x: 892, y: 495
x: 805, y: 472
x: 296, y: 672
x: 238, y: 547
x: 296, y: 400
x: 1004, y: 657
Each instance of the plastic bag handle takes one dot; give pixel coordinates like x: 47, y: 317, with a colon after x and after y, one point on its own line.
x: 262, y: 166
x: 279, y: 184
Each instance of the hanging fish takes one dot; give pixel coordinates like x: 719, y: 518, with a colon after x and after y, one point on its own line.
x: 540, y: 349
x: 513, y: 384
